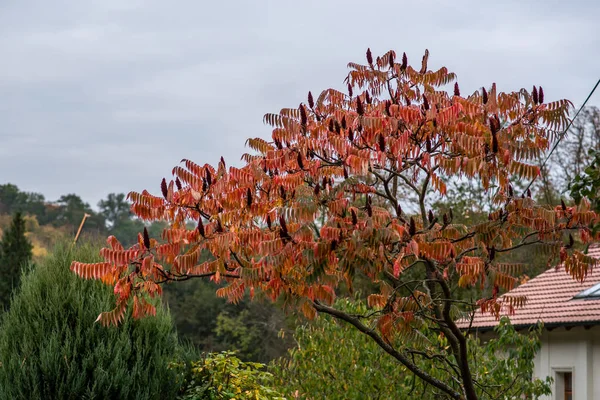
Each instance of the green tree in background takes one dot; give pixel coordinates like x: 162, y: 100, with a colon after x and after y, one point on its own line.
x: 50, y: 347
x: 587, y: 183
x: 15, y: 251
x: 70, y: 211
x: 115, y: 209
x: 212, y: 324
x: 116, y: 212
x: 13, y: 200
x: 122, y: 224
x: 334, y: 361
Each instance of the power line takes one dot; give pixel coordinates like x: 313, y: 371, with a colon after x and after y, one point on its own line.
x: 562, y: 135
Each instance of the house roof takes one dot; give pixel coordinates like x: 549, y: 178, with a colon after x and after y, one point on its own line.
x: 550, y: 299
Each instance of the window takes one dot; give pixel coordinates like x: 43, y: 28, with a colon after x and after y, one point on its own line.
x: 564, y: 385
x: 592, y: 293
x: 568, y: 385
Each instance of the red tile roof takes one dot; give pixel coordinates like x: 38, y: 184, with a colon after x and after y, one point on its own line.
x: 550, y: 300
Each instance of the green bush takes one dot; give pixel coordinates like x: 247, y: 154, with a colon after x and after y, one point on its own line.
x: 332, y: 360
x: 335, y: 361
x: 221, y: 376
x: 50, y: 347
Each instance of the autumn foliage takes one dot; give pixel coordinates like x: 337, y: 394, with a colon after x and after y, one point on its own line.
x: 326, y: 198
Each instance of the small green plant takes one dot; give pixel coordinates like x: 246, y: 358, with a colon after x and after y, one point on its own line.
x: 220, y: 376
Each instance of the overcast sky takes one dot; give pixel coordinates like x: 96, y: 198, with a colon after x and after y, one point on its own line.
x: 109, y: 95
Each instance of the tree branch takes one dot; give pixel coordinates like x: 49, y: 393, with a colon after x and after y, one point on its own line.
x: 388, y: 348
x: 463, y: 360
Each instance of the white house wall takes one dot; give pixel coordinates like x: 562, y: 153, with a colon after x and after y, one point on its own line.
x: 576, y: 350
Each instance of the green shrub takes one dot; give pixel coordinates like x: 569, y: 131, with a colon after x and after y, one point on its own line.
x: 332, y: 360
x: 50, y: 347
x: 220, y: 376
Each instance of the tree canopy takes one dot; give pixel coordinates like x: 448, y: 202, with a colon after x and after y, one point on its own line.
x: 347, y: 186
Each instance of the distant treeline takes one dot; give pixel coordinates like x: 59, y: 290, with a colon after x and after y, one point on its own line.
x: 113, y: 218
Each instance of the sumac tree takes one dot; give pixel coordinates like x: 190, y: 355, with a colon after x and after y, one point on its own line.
x: 323, y: 201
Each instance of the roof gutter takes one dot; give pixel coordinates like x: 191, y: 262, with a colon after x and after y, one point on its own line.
x: 549, y: 327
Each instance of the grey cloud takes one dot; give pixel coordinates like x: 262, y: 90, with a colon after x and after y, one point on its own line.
x: 107, y: 96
